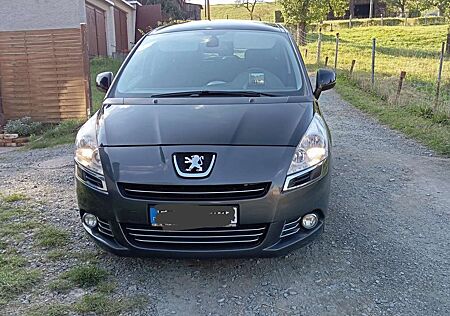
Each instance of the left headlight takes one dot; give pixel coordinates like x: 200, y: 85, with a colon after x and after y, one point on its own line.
x: 86, y: 147
x: 312, y: 151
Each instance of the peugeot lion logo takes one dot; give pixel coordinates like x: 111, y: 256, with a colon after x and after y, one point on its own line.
x: 194, y: 165
x: 196, y: 161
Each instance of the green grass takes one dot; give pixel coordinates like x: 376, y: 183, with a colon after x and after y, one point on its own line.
x: 63, y: 133
x: 91, y: 304
x: 7, y: 213
x: 100, y: 304
x: 14, y: 197
x: 51, y: 309
x: 404, y: 119
x: 15, y: 275
x: 81, y: 276
x: 413, y: 49
x: 99, y: 65
x: 49, y: 236
x: 265, y: 11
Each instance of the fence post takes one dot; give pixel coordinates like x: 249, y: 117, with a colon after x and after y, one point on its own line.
x: 306, y: 53
x: 374, y: 43
x: 319, y: 45
x: 438, y: 86
x: 86, y: 68
x: 448, y: 41
x: 336, y: 52
x: 381, y: 19
x: 350, y: 22
x: 326, y: 61
x: 352, y: 67
x: 400, y: 85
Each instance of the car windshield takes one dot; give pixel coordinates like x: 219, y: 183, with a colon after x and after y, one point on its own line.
x: 212, y: 60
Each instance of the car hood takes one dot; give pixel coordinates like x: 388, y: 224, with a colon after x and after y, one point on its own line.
x: 275, y: 121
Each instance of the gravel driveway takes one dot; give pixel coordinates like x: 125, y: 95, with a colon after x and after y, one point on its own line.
x: 385, y: 249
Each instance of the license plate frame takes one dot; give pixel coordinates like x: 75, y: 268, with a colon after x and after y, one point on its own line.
x: 188, y: 216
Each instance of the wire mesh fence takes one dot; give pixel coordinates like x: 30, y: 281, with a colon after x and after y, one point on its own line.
x: 402, y: 75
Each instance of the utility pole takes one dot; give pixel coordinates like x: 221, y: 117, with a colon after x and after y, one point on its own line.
x: 208, y: 10
x: 371, y: 9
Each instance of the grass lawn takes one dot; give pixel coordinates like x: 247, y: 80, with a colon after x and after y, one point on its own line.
x: 99, y: 65
x: 409, y: 120
x: 265, y: 11
x: 413, y: 49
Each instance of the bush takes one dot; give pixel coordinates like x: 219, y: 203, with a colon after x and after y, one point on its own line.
x: 24, y: 127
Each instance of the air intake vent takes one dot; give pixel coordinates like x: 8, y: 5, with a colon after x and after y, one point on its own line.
x: 194, y: 192
x: 104, y: 228
x: 290, y: 228
x: 90, y: 179
x: 209, y: 238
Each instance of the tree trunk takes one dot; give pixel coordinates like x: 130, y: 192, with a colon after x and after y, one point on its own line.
x: 301, y: 34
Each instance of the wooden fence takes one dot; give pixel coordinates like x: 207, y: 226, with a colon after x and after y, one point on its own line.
x: 44, y: 74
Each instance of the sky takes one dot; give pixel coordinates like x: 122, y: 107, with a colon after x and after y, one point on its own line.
x: 216, y: 1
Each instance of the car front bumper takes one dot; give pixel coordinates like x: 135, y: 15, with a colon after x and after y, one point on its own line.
x: 276, y: 211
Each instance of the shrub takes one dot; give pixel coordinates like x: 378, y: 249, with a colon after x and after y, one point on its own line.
x: 24, y: 127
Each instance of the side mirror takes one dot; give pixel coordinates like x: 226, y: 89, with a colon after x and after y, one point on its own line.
x: 325, y: 80
x: 104, y: 80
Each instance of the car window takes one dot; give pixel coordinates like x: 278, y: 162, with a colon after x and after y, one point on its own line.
x: 224, y: 60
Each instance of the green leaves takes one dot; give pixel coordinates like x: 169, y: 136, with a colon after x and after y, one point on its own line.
x: 304, y: 11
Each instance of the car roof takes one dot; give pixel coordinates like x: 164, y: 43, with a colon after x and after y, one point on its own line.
x: 220, y: 25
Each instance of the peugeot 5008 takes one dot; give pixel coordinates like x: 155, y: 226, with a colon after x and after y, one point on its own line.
x: 209, y: 142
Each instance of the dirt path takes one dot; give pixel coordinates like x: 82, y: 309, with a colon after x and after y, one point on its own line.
x: 385, y: 250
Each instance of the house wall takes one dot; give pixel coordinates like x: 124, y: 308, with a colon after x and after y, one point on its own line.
x: 22, y: 15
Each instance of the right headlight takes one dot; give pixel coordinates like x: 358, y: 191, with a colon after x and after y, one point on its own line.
x: 312, y: 151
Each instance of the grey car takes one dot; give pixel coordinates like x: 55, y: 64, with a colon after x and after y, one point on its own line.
x: 210, y: 143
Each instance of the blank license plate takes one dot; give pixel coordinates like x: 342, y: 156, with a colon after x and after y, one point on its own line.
x: 185, y: 216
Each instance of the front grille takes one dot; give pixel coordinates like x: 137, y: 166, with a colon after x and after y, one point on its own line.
x: 146, y: 236
x: 290, y: 228
x: 104, y: 228
x: 194, y: 192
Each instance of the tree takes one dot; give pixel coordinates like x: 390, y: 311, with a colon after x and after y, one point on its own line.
x: 169, y: 7
x: 399, y: 5
x: 338, y: 7
x: 302, y: 13
x: 442, y: 5
x: 249, y: 5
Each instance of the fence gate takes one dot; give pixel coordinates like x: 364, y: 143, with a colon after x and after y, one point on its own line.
x: 96, y: 27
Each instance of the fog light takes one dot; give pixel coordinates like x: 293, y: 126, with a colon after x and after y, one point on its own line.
x: 90, y: 220
x: 309, y: 221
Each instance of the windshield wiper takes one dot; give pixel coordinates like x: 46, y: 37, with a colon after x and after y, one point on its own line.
x: 210, y: 93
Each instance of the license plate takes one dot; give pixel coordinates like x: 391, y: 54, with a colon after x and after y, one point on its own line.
x: 182, y: 217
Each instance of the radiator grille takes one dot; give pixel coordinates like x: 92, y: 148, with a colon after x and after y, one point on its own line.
x: 207, y: 238
x: 194, y: 192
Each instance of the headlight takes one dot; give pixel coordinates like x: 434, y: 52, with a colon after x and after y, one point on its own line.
x: 86, y: 147
x: 312, y: 151
x: 313, y: 148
